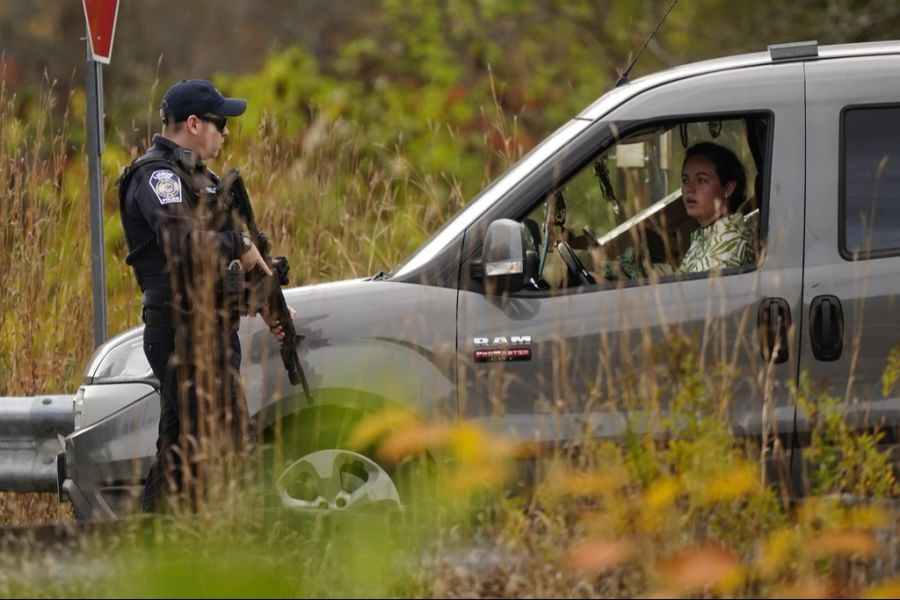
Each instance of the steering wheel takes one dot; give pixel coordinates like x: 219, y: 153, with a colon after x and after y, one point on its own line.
x: 574, y: 264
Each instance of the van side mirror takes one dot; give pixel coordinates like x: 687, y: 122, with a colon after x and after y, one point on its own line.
x: 509, y: 258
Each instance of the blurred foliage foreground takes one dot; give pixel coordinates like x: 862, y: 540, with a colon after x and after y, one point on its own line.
x: 349, y: 175
x: 691, y: 516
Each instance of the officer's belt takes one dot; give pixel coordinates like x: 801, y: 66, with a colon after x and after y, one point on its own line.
x: 161, y: 280
x: 162, y: 317
x: 157, y: 317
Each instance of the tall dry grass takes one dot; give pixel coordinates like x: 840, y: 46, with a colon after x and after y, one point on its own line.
x: 45, y: 317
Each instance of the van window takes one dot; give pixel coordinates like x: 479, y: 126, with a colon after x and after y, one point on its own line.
x: 870, y: 190
x: 622, y: 217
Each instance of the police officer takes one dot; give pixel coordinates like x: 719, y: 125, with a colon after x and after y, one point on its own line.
x: 177, y: 235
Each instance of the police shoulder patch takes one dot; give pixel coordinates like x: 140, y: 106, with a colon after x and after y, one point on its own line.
x: 166, y: 185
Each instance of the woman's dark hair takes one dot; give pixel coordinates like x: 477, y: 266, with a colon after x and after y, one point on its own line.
x: 728, y: 168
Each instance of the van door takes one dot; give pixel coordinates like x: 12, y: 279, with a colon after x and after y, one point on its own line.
x: 588, y: 344
x: 851, y: 314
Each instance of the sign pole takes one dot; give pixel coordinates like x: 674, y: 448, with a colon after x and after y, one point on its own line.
x: 93, y: 84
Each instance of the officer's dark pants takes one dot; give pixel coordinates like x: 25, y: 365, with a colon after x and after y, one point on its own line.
x: 179, y: 414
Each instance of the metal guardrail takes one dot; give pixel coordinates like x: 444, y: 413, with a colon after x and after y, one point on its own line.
x: 30, y: 431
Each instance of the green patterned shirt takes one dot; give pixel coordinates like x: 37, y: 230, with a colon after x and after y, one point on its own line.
x: 727, y: 242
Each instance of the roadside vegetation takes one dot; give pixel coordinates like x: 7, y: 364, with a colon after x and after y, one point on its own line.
x: 682, y: 511
x: 351, y: 168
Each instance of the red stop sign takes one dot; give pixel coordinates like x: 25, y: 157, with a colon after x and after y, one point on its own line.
x: 101, y: 23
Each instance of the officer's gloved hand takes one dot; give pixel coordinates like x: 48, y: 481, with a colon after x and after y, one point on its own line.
x: 275, y: 328
x: 252, y: 259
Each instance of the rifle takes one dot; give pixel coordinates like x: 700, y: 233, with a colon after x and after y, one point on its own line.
x: 262, y: 293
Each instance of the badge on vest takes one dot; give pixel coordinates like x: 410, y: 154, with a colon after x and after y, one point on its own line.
x: 166, y: 185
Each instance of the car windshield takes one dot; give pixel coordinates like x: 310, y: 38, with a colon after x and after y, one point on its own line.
x: 491, y: 194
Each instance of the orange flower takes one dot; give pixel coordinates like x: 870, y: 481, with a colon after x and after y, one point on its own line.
x: 701, y: 568
x: 595, y: 556
x: 411, y: 441
x: 844, y: 543
x: 379, y: 424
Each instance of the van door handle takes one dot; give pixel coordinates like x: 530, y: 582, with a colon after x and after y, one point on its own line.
x: 826, y: 328
x: 773, y: 321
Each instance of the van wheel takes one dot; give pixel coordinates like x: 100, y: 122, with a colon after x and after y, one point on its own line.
x: 309, y: 467
x: 336, y: 480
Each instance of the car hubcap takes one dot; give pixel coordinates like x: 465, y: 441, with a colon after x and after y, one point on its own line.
x: 330, y: 480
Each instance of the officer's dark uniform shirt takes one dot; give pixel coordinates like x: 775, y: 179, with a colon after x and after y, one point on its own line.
x: 159, y: 206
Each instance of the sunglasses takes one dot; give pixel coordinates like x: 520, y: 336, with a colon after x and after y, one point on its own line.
x: 216, y: 120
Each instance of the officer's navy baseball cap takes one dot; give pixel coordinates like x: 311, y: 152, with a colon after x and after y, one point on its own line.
x: 198, y: 97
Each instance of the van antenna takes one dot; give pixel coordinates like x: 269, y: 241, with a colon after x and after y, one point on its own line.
x: 623, y: 78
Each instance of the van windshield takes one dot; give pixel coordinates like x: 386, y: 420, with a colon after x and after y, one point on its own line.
x: 500, y: 186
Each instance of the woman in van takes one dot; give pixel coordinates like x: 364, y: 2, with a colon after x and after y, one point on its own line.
x: 713, y: 188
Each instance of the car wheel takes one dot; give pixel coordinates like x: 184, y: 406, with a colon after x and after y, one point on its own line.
x: 336, y: 480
